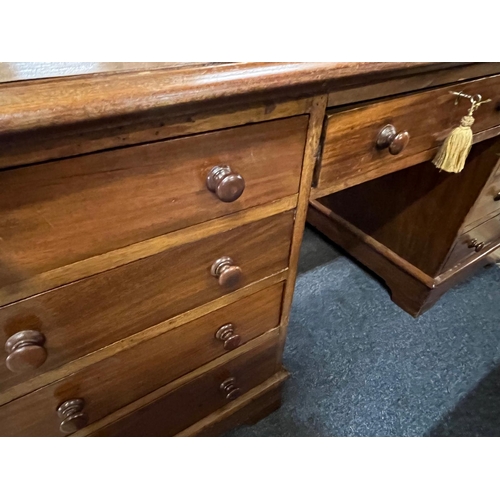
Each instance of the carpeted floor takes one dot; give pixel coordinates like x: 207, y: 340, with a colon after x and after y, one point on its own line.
x: 362, y: 367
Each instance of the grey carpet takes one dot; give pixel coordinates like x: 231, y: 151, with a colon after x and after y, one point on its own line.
x: 362, y: 367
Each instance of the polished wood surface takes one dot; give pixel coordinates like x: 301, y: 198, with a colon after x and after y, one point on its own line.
x: 25, y: 107
x: 140, y: 250
x: 350, y: 149
x: 152, y: 221
x: 98, y: 134
x: 106, y: 211
x: 92, y: 313
x: 477, y: 240
x: 248, y: 409
x: 311, y: 154
x: 50, y: 144
x: 372, y: 89
x: 413, y: 227
x: 135, y: 372
x: 410, y: 288
x: 180, y: 408
x: 216, y: 364
x: 417, y: 212
x: 20, y: 71
x: 389, y: 168
x: 138, y: 338
x: 487, y: 203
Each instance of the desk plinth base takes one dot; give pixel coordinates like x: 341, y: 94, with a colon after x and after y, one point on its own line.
x: 411, y: 289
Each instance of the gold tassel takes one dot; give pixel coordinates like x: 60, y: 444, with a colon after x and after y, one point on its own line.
x: 453, y: 153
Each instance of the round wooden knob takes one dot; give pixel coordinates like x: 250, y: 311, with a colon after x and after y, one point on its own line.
x: 497, y: 197
x: 227, y: 185
x: 25, y: 351
x: 228, y: 274
x: 230, y: 389
x: 478, y: 246
x: 72, y: 416
x: 226, y: 334
x: 389, y: 138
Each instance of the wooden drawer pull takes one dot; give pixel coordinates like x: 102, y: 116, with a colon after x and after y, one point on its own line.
x: 230, y: 389
x: 389, y: 138
x: 227, y: 185
x: 25, y: 351
x: 476, y: 245
x: 226, y: 334
x: 72, y: 415
x: 228, y: 274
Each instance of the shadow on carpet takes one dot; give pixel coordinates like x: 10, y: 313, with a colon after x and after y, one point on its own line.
x: 360, y: 366
x: 478, y: 414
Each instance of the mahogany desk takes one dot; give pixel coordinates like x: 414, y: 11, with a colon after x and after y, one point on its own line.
x: 152, y: 216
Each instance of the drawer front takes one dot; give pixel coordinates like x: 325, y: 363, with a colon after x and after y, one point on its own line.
x: 183, y: 407
x: 474, y: 241
x: 89, y: 314
x: 128, y: 375
x: 61, y: 212
x: 488, y: 202
x: 350, y: 151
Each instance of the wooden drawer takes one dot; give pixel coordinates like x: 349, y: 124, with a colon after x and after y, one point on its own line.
x: 350, y: 154
x: 89, y: 314
x: 135, y: 372
x: 189, y: 403
x: 57, y: 213
x: 474, y: 241
x: 488, y: 202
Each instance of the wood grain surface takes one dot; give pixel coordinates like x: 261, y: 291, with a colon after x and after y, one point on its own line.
x: 110, y: 260
x: 138, y: 338
x: 94, y: 97
x: 19, y: 71
x: 133, y: 373
x: 311, y: 155
x: 350, y: 152
x: 109, y: 252
x: 81, y: 207
x: 488, y: 201
x: 87, y: 315
x: 477, y: 241
x: 411, y: 288
x: 402, y: 83
x: 69, y: 141
x: 182, y: 407
x: 417, y: 212
x: 248, y: 409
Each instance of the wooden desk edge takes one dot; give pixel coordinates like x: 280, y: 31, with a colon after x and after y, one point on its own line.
x: 30, y: 104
